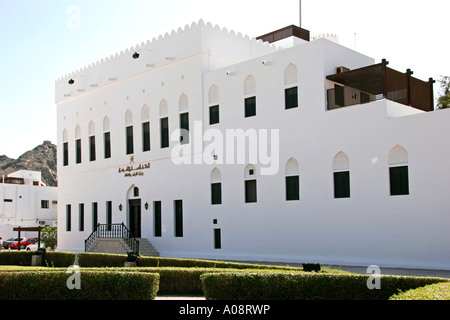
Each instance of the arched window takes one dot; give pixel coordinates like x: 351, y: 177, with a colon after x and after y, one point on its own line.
x: 250, y: 184
x: 145, y: 118
x: 92, y: 155
x: 106, y: 138
x: 292, y: 180
x: 291, y: 87
x: 250, y: 97
x: 213, y: 101
x: 341, y: 175
x: 78, y: 144
x: 129, y: 132
x: 216, y: 187
x: 398, y: 171
x: 183, y: 103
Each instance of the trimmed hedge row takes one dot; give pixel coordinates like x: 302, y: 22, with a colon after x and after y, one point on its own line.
x: 94, y: 285
x: 437, y: 291
x: 117, y: 260
x: 304, y: 286
x: 51, y: 258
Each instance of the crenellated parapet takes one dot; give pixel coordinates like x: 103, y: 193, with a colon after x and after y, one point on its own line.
x: 196, y: 39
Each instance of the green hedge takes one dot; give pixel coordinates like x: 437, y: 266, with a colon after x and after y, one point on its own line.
x: 51, y: 258
x: 175, y: 280
x: 95, y: 285
x: 437, y: 291
x: 117, y: 260
x: 304, y: 286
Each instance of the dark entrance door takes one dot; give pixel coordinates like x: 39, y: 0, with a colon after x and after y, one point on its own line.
x: 135, y: 218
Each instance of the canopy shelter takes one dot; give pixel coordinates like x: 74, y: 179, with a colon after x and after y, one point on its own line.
x: 36, y: 229
x: 381, y: 80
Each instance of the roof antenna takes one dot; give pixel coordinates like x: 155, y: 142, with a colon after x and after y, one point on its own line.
x: 300, y: 13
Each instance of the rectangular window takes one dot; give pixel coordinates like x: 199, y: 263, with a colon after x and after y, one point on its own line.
x: 214, y: 115
x: 292, y: 188
x: 94, y: 216
x: 250, y: 191
x: 78, y: 151
x: 130, y: 147
x: 68, y: 217
x: 339, y: 95
x: 7, y: 200
x: 164, y: 132
x: 65, y: 154
x: 45, y: 204
x: 157, y: 218
x: 216, y: 193
x: 184, y: 126
x: 250, y: 107
x: 81, y: 217
x: 109, y: 214
x: 291, y: 98
x: 92, y: 148
x: 399, y: 180
x: 342, y: 184
x: 178, y: 218
x: 217, y: 239
x: 146, y: 136
x: 107, y: 142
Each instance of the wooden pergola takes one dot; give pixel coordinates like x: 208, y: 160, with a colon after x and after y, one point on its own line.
x: 36, y: 229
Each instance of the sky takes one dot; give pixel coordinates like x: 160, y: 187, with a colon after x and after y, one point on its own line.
x: 41, y: 41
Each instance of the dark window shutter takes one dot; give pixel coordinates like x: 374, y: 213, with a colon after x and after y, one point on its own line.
x: 216, y: 193
x: 130, y: 147
x: 146, y: 136
x: 250, y: 107
x: 217, y: 239
x: 250, y: 191
x: 292, y: 188
x: 178, y: 218
x: 342, y: 184
x: 291, y: 98
x: 214, y: 115
x: 157, y: 217
x: 399, y: 180
x: 164, y: 132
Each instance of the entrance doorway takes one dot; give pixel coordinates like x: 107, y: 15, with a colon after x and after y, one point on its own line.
x: 135, y: 217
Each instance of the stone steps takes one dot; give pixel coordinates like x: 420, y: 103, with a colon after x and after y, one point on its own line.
x: 119, y: 246
x: 146, y: 248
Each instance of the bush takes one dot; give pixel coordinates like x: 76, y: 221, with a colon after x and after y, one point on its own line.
x: 304, y: 286
x: 88, y: 259
x: 95, y: 285
x: 100, y: 260
x: 51, y: 258
x: 172, y: 280
x: 49, y: 236
x: 59, y: 259
x: 438, y: 291
x: 16, y: 258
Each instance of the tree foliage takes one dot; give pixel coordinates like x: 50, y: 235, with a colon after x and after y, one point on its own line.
x: 48, y: 235
x: 443, y: 101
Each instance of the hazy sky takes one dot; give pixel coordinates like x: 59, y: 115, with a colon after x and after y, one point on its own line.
x: 41, y: 41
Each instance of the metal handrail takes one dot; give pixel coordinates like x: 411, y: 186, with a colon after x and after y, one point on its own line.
x: 112, y: 231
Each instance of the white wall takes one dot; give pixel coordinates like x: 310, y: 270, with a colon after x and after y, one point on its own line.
x: 370, y: 227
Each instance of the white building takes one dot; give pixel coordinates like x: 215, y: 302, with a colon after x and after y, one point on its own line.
x: 335, y: 172
x: 26, y: 202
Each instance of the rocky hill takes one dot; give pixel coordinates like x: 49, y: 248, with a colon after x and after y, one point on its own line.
x: 42, y: 158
